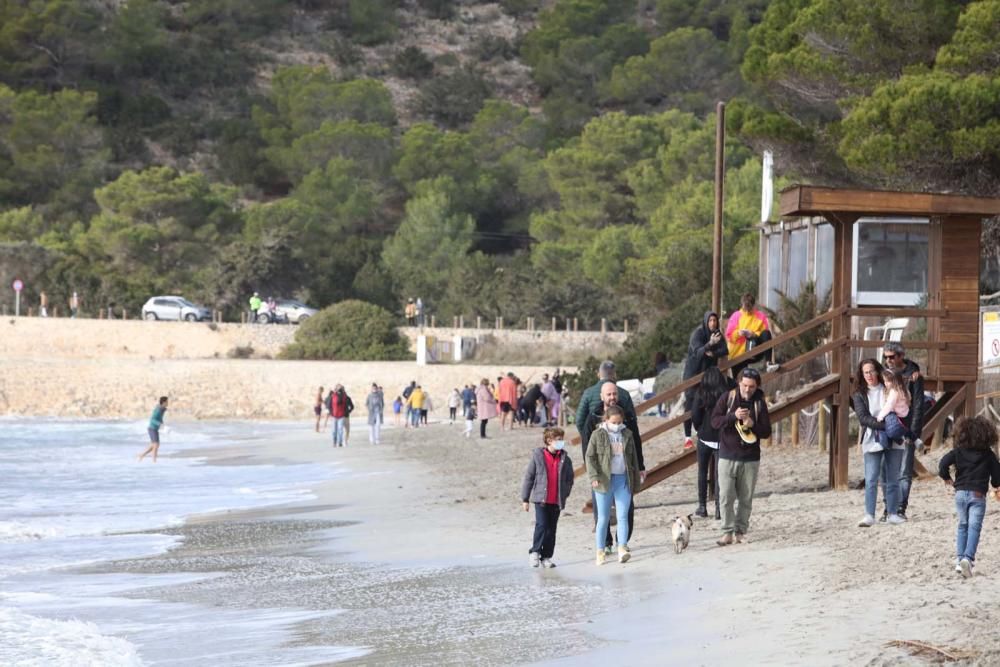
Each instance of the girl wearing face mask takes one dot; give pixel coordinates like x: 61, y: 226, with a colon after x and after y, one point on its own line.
x: 547, y: 483
x: 613, y: 469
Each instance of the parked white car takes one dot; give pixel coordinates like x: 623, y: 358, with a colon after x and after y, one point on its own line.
x: 174, y: 308
x: 285, y: 311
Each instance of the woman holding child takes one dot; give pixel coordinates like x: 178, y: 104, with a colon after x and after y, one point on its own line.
x: 613, y: 469
x: 872, y: 398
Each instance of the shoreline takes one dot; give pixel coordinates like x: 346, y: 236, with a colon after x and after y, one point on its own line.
x: 429, y: 531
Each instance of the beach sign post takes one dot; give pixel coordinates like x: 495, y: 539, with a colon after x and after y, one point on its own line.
x: 18, y: 286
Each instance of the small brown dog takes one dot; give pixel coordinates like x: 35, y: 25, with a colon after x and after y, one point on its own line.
x: 681, y: 532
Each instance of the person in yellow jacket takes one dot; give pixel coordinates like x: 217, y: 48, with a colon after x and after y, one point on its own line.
x: 747, y: 327
x: 416, y: 404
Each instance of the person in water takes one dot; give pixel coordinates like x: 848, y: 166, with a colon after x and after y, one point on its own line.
x: 155, y: 422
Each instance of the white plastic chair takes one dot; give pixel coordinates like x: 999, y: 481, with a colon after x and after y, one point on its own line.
x: 892, y: 330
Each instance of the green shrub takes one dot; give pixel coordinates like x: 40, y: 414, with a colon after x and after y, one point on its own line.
x: 349, y: 331
x: 412, y: 63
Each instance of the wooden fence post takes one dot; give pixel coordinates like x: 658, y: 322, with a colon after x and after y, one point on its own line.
x: 432, y: 321
x: 553, y: 323
x: 575, y: 328
x: 479, y: 321
x: 461, y: 321
x: 604, y: 325
x: 795, y: 429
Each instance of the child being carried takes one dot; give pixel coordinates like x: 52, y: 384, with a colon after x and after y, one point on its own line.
x: 895, y: 409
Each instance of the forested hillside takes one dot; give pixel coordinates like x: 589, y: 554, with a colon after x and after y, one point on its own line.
x: 515, y: 158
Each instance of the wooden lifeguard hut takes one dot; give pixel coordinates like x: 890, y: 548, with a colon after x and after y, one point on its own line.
x: 952, y: 264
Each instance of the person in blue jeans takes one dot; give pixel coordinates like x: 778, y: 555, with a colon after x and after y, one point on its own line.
x: 867, y: 402
x: 976, y: 467
x: 613, y: 470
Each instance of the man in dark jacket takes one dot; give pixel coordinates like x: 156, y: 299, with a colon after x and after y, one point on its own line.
x: 706, y: 347
x: 742, y: 420
x: 895, y: 359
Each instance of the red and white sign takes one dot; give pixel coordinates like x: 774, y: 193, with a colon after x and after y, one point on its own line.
x: 18, y: 285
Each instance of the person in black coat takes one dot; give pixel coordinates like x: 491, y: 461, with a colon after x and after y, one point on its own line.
x: 706, y: 346
x: 713, y: 385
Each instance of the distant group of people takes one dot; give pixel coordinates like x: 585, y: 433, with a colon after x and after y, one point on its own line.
x: 514, y: 402
x: 259, y: 307
x: 414, y: 312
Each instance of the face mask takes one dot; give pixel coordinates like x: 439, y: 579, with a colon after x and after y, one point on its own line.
x: 615, y: 428
x: 558, y: 445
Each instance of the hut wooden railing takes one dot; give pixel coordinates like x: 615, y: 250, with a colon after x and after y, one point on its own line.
x: 835, y: 385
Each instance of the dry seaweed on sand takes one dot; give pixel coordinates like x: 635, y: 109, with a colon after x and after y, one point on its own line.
x: 930, y: 652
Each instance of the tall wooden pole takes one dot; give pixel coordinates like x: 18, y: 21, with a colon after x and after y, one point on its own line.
x: 720, y: 159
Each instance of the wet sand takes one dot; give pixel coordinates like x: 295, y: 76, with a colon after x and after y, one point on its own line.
x: 422, y: 552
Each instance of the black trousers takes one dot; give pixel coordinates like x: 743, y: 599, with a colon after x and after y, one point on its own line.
x: 546, y: 520
x: 688, y: 402
x: 452, y: 412
x: 482, y: 427
x: 530, y: 412
x: 708, y: 462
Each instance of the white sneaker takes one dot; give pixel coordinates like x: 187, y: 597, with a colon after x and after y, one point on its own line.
x: 965, y: 567
x: 958, y: 567
x: 533, y: 559
x: 772, y: 368
x: 919, y: 444
x: 895, y: 519
x: 547, y: 562
x: 867, y: 522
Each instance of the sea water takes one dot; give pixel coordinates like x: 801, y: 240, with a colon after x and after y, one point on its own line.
x: 73, y: 494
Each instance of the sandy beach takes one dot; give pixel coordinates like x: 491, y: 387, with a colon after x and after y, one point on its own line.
x: 422, y: 550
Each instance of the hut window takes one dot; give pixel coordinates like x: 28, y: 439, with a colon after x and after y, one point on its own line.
x: 890, y: 261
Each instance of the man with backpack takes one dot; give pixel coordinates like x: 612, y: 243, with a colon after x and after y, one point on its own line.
x: 742, y: 420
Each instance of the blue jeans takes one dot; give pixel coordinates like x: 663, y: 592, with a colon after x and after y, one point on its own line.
x: 415, y: 417
x: 338, y: 431
x: 873, y: 467
x: 619, y: 491
x: 970, y: 506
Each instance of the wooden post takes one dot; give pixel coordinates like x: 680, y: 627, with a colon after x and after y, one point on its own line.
x: 461, y: 321
x: 720, y: 170
x: 568, y: 323
x: 501, y: 322
x: 795, y: 429
x: 626, y: 326
x: 553, y: 324
x: 454, y: 321
x: 31, y: 311
x: 479, y: 321
x: 432, y: 321
x: 124, y: 314
x: 843, y: 240
x: 575, y: 327
x: 604, y: 325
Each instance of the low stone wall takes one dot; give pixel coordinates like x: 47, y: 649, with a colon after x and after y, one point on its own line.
x: 43, y: 338
x: 520, y: 343
x: 217, y: 388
